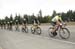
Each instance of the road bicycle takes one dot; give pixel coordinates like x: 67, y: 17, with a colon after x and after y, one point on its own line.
x: 24, y: 29
x: 36, y: 29
x: 17, y: 28
x: 64, y: 32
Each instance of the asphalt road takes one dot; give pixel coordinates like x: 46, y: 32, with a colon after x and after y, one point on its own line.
x: 44, y: 29
x: 71, y: 29
x: 19, y: 40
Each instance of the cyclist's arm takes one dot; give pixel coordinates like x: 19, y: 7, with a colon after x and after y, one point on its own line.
x: 61, y: 20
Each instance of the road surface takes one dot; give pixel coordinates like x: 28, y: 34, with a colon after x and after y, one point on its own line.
x: 19, y: 40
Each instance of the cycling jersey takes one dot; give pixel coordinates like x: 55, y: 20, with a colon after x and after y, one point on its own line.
x: 24, y: 21
x: 35, y: 21
x: 56, y: 18
x: 16, y: 22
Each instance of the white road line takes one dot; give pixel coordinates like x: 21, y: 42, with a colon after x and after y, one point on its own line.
x: 68, y: 42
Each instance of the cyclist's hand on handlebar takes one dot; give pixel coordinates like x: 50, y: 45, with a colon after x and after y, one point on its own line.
x: 61, y: 24
x: 64, y: 24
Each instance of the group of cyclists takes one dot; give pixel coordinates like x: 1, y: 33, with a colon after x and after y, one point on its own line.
x: 6, y: 25
x: 56, y: 21
x: 9, y: 24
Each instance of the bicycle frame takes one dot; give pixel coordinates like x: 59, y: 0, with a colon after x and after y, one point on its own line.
x: 61, y: 26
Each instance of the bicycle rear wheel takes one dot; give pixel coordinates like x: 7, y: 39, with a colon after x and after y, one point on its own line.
x: 50, y: 33
x: 64, y: 33
x: 22, y: 29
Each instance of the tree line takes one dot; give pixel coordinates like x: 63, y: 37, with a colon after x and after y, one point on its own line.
x: 68, y: 16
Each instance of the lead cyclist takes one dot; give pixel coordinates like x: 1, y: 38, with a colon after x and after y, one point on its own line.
x: 56, y: 21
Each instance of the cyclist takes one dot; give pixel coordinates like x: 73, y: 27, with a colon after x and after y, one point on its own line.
x: 17, y: 25
x: 35, y: 22
x: 24, y: 22
x: 56, y: 21
x: 4, y: 25
x: 1, y: 24
x: 8, y: 25
x: 11, y: 23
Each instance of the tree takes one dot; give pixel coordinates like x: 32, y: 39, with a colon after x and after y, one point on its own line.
x: 40, y: 16
x: 69, y: 15
x: 19, y: 19
x: 40, y: 13
x: 63, y: 16
x: 7, y: 19
x: 32, y: 17
x: 73, y: 17
x: 46, y: 19
x: 11, y: 18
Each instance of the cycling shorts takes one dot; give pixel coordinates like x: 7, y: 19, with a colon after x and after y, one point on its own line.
x: 53, y: 23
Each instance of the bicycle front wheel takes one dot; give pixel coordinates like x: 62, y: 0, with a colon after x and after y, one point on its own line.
x: 26, y: 29
x: 38, y: 30
x: 64, y: 33
x: 32, y: 30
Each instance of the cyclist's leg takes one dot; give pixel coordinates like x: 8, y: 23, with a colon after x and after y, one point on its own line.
x: 25, y: 25
x: 54, y: 27
x: 36, y: 24
x: 22, y: 25
x: 15, y: 26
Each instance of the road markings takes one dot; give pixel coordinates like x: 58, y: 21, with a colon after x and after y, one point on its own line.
x: 68, y: 42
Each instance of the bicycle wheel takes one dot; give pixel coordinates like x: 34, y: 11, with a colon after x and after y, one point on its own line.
x: 38, y: 30
x: 17, y: 28
x: 64, y: 33
x: 22, y: 29
x: 26, y: 29
x: 50, y: 33
x: 32, y: 30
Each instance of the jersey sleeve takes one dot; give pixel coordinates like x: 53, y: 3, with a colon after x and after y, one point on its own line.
x: 60, y: 18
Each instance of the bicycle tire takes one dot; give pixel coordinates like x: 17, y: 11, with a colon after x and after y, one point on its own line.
x: 60, y: 33
x: 38, y: 30
x: 26, y: 29
x: 32, y: 30
x: 49, y: 32
x: 22, y: 29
